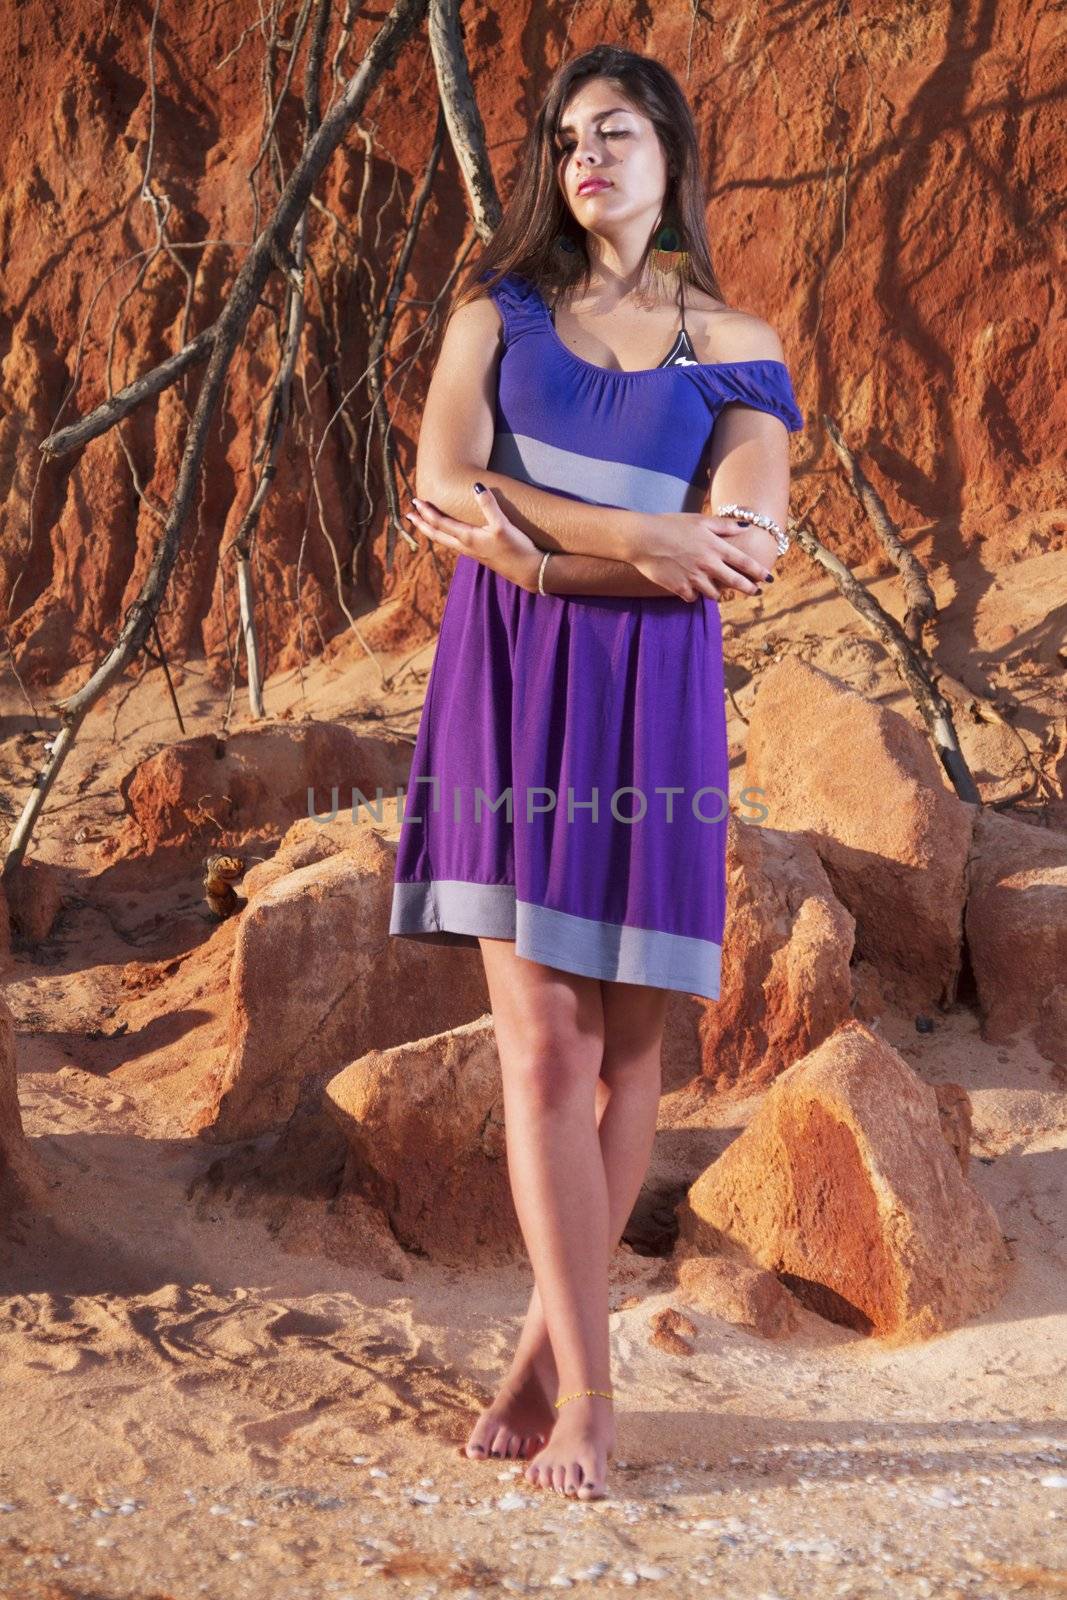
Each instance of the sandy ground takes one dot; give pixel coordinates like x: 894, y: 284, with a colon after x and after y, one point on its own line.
x: 192, y: 1409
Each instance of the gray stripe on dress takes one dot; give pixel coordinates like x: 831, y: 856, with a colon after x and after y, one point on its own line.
x: 450, y: 911
x: 614, y: 483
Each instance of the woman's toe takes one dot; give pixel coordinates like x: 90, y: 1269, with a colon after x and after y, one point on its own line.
x: 478, y: 1443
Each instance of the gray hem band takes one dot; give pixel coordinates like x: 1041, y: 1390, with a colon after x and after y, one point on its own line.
x: 451, y: 911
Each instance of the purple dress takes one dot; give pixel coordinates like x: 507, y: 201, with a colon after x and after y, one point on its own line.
x: 569, y: 783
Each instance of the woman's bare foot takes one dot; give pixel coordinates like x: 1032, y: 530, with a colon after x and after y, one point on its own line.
x: 574, y: 1461
x: 521, y: 1414
x: 518, y: 1419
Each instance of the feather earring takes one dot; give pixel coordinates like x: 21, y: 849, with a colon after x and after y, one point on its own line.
x: 667, y: 254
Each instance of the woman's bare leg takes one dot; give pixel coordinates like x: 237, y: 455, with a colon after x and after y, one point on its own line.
x: 626, y: 1094
x: 521, y: 1415
x: 549, y: 1028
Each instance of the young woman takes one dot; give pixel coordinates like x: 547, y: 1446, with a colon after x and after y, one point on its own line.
x: 567, y: 805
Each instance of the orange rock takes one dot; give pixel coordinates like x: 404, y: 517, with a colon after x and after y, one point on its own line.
x: 425, y: 1125
x: 316, y: 979
x: 738, y: 1293
x: 954, y: 1114
x: 864, y: 786
x: 786, y: 983
x: 295, y: 1187
x: 844, y: 1185
x: 6, y: 918
x: 256, y: 784
x: 1016, y: 925
x: 672, y: 1332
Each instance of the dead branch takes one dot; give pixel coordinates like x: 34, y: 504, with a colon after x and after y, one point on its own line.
x: 919, y: 604
x: 911, y: 660
x: 403, y: 366
x: 160, y: 206
x: 120, y: 404
x: 421, y: 336
x: 292, y: 263
x: 462, y: 115
x: 381, y: 338
x: 230, y: 326
x: 921, y: 607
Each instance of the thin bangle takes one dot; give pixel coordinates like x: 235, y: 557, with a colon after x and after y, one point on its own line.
x: 541, y: 572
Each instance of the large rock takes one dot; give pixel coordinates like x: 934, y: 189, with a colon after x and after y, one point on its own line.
x: 864, y: 785
x: 254, y: 784
x: 786, y: 978
x: 316, y: 978
x: 425, y: 1125
x: 1016, y: 925
x: 845, y: 1186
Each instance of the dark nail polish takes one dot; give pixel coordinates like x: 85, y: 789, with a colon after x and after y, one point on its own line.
x: 479, y: 488
x: 769, y: 577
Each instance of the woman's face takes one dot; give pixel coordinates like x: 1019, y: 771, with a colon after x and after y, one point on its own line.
x: 603, y: 137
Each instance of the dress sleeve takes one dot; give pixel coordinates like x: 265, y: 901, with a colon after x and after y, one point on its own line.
x: 513, y: 296
x: 764, y: 385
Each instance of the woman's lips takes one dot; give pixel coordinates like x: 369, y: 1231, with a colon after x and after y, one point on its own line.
x: 592, y: 185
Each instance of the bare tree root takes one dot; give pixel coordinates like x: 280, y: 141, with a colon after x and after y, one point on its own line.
x: 912, y: 662
x: 921, y: 608
x: 380, y: 339
x: 919, y: 603
x: 278, y: 411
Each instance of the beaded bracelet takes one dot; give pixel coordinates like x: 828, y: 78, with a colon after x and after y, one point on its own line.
x: 744, y: 514
x: 607, y: 1393
x: 541, y: 573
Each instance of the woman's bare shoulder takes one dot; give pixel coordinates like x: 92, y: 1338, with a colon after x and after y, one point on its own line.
x: 477, y: 318
x: 726, y: 333
x: 474, y: 331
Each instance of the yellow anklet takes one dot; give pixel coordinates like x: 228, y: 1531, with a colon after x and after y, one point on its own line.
x: 578, y: 1392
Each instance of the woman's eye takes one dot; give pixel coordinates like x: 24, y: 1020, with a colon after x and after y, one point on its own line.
x: 607, y: 133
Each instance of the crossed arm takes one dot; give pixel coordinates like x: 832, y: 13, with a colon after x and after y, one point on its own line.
x: 595, y: 544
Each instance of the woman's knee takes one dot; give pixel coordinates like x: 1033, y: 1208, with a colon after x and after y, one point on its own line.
x: 551, y: 1066
x: 550, y: 1038
x: 634, y: 1017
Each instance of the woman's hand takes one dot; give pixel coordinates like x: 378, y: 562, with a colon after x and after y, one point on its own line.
x: 692, y: 554
x: 496, y: 542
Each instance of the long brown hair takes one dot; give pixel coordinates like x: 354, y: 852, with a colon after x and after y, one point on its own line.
x: 537, y: 214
